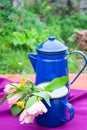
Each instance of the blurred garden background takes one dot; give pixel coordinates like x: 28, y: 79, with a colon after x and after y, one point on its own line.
x: 24, y: 24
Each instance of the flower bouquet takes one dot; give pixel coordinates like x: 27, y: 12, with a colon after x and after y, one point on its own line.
x: 25, y: 98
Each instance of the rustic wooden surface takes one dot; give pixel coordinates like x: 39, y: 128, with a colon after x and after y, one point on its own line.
x: 80, y: 83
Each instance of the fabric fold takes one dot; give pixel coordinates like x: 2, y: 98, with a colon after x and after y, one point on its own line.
x: 78, y: 98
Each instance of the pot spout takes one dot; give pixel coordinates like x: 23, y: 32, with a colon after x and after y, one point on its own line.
x: 33, y: 60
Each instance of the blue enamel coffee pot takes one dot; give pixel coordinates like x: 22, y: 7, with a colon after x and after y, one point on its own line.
x: 51, y: 61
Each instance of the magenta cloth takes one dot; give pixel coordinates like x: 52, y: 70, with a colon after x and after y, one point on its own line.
x: 78, y: 98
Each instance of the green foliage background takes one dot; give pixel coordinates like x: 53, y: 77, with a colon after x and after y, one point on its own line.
x: 22, y: 30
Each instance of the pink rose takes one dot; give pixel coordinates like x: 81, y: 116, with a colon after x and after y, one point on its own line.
x: 28, y: 115
x: 12, y: 98
x: 9, y: 88
x: 25, y: 117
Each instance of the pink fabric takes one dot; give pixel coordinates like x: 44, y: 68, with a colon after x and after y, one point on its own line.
x: 78, y: 98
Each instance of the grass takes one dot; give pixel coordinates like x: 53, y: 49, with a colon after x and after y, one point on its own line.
x: 21, y: 31
x: 15, y: 62
x: 73, y: 64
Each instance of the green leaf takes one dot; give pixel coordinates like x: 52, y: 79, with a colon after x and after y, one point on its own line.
x: 3, y: 99
x: 44, y: 95
x: 26, y: 76
x: 16, y: 86
x: 31, y: 101
x: 30, y: 81
x: 56, y: 83
x: 15, y: 110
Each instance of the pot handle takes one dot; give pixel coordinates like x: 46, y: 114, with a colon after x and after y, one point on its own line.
x: 85, y: 59
x: 71, y: 110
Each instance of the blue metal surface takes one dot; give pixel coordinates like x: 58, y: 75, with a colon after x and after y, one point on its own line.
x: 51, y: 46
x: 57, y: 113
x: 48, y: 67
x: 51, y: 61
x: 85, y: 63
